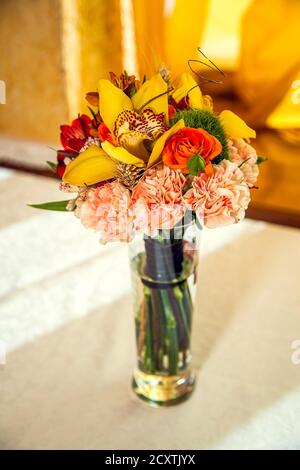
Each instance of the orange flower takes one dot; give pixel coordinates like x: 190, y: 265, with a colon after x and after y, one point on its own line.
x: 188, y: 142
x: 92, y: 98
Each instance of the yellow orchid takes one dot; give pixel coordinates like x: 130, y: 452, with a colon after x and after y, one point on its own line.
x: 235, y: 127
x: 91, y: 166
x: 98, y: 164
x: 132, y: 122
x: 187, y: 86
x: 113, y: 101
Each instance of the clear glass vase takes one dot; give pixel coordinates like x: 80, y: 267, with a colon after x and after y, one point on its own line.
x: 164, y: 279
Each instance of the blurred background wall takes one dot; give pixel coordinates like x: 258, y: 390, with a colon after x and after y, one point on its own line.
x: 53, y: 51
x: 31, y: 65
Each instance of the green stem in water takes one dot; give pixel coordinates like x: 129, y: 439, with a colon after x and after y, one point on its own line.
x: 187, y: 301
x: 171, y: 333
x: 179, y: 296
x: 158, y: 329
x: 149, y: 363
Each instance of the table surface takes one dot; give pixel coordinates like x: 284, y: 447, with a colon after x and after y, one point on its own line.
x: 66, y: 323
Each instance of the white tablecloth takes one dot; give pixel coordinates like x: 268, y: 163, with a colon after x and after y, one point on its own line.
x: 66, y: 324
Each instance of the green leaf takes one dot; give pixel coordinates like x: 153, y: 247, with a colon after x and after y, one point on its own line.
x: 92, y: 113
x: 261, y: 159
x: 52, y: 206
x: 67, y: 154
x: 52, y: 165
x: 195, y: 164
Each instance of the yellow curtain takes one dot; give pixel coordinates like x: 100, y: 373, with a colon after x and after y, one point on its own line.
x: 91, y: 46
x: 184, y: 28
x: 100, y: 38
x: 168, y: 32
x: 221, y: 37
x: 270, y: 62
x: 149, y: 35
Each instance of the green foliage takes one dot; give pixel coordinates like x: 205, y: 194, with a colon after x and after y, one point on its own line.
x: 207, y: 120
x: 93, y: 113
x: 52, y: 165
x: 52, y: 206
x: 195, y: 164
x: 261, y: 159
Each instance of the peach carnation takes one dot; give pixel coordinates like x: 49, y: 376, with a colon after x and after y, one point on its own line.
x: 106, y: 210
x: 220, y: 198
x: 244, y: 155
x: 157, y: 201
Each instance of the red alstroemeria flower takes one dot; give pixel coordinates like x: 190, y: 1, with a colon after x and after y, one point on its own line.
x: 74, y: 136
x: 63, y: 158
x: 104, y: 133
x: 183, y: 104
x: 171, y: 111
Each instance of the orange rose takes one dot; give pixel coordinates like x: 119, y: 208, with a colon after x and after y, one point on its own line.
x: 188, y: 142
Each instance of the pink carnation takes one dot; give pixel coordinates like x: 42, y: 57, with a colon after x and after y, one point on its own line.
x: 222, y: 197
x: 106, y: 210
x: 245, y: 156
x: 157, y: 200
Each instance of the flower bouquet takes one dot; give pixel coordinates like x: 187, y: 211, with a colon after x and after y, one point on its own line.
x: 154, y: 163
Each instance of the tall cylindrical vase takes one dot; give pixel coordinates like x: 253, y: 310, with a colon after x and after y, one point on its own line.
x: 164, y: 278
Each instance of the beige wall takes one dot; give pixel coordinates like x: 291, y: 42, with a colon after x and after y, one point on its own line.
x: 31, y: 65
x: 51, y: 52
